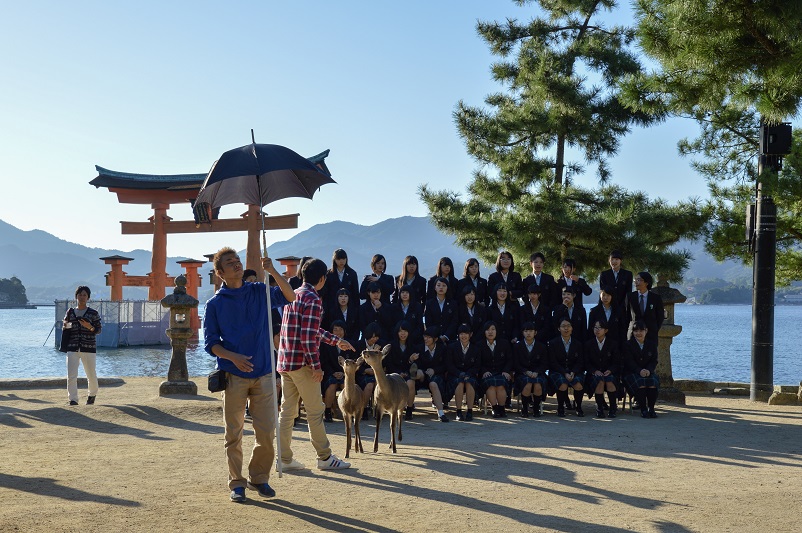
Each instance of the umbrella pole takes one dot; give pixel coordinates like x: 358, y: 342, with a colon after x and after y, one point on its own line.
x: 272, y: 348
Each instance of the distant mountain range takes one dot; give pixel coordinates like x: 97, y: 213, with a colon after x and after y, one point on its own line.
x: 50, y: 268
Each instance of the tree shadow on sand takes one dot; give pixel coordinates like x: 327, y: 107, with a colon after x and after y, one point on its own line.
x: 52, y: 487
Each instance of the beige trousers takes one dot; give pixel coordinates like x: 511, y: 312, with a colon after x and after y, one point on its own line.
x: 294, y: 385
x: 260, y: 393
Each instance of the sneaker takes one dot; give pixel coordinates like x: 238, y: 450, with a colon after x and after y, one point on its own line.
x: 264, y: 490
x: 292, y: 465
x: 459, y: 415
x: 580, y: 412
x: 73, y: 402
x: 238, y: 495
x: 90, y: 400
x: 332, y: 463
x: 443, y: 418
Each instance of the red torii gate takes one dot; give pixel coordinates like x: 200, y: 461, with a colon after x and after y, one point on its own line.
x: 160, y: 191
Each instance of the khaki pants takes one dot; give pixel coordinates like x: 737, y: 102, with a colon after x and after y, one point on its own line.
x: 88, y: 359
x: 294, y: 385
x: 260, y: 392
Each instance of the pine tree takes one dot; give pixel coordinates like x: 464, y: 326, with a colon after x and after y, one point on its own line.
x: 560, y: 75
x: 726, y: 63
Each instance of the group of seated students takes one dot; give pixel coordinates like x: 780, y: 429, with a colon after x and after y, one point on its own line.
x: 499, y: 337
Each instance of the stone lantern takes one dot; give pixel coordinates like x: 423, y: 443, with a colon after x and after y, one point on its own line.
x: 180, y: 304
x: 669, y: 330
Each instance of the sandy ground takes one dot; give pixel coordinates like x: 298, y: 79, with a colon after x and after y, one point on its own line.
x: 139, y: 462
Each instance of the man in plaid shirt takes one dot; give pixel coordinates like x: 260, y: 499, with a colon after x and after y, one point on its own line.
x: 299, y: 365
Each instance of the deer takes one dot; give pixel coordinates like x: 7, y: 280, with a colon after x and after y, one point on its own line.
x: 351, y: 403
x: 391, y: 395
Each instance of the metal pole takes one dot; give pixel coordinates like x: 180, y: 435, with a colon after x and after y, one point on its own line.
x: 765, y: 252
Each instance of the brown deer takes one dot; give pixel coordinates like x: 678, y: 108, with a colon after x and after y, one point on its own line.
x: 351, y: 403
x: 390, y: 395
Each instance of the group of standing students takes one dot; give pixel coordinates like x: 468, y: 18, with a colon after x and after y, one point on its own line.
x: 507, y: 335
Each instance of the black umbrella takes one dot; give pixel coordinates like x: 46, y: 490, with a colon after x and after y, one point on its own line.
x: 257, y: 174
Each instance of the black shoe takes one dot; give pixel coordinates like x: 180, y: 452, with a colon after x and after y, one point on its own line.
x: 469, y: 415
x: 90, y: 400
x: 502, y: 411
x: 459, y: 416
x: 537, y: 410
x: 611, y: 414
x: 496, y: 411
x: 605, y: 406
x: 264, y: 490
x: 561, y: 411
x: 73, y: 402
x: 408, y: 415
x: 327, y: 416
x: 580, y: 412
x: 644, y: 413
x: 443, y: 418
x: 652, y: 414
x: 600, y: 413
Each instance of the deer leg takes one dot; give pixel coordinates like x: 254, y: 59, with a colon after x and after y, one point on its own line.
x: 377, y: 409
x: 393, y: 421
x: 347, y: 420
x: 357, y: 436
x: 400, y: 422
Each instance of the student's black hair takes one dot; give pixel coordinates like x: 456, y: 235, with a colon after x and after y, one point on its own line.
x: 617, y: 254
x: 376, y: 259
x: 339, y: 253
x: 248, y: 272
x: 410, y: 259
x: 444, y: 261
x: 466, y: 290
x: 337, y: 324
x: 464, y: 328
x: 403, y: 324
x: 374, y: 286
x: 433, y: 332
x: 534, y: 288
x: 441, y: 279
x: 639, y: 325
x: 569, y: 262
x: 343, y: 290
x: 602, y: 324
x: 312, y: 271
x: 529, y: 325
x: 498, y: 260
x: 608, y: 289
x: 645, y: 276
x: 536, y: 255
x: 487, y: 325
x: 570, y: 289
x: 372, y: 330
x: 469, y: 263
x: 500, y: 285
x: 83, y: 288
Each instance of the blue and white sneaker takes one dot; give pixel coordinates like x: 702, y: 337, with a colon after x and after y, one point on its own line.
x: 332, y: 463
x: 238, y: 495
x: 264, y: 490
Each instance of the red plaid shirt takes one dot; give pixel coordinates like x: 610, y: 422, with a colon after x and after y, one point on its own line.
x: 301, y: 333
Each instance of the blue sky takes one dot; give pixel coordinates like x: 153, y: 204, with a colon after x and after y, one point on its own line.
x: 166, y: 87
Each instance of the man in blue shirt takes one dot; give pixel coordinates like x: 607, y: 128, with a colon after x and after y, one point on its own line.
x: 235, y: 326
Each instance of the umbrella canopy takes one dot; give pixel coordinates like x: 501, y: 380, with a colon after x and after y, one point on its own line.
x: 258, y: 174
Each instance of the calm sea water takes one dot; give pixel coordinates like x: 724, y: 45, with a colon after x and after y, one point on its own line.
x: 714, y: 345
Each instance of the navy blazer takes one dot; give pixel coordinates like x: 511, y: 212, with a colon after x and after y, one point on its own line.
x: 475, y: 322
x: 451, y: 292
x: 622, y: 285
x: 535, y: 361
x: 413, y: 316
x: 637, y: 358
x: 418, y: 290
x: 446, y: 319
x: 565, y: 362
x: 515, y: 285
x: 608, y: 358
x: 542, y: 319
x: 482, y: 292
x: 352, y: 325
x: 580, y: 286
x: 506, y: 323
x: 498, y: 360
x: 548, y: 288
x: 333, y: 284
x: 458, y: 362
x: 617, y: 323
x: 578, y: 318
x: 387, y: 284
x: 436, y: 361
x: 653, y: 317
x: 383, y: 317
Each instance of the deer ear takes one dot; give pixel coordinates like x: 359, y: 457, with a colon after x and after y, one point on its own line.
x: 341, y: 360
x: 386, y: 350
x: 360, y: 360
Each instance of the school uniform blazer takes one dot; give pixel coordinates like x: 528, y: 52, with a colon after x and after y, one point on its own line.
x: 608, y: 358
x: 352, y: 324
x: 437, y: 362
x: 397, y: 360
x: 360, y: 347
x: 333, y: 284
x: 578, y: 318
x: 617, y: 323
x: 446, y: 319
x: 581, y: 286
x: 383, y: 317
x: 564, y: 362
x: 451, y: 292
x: 413, y: 316
x: 653, y: 317
x: 506, y: 323
x: 418, y: 290
x: 482, y: 291
x: 515, y: 285
x: 542, y: 320
x: 637, y: 358
x: 458, y: 362
x: 622, y: 286
x: 535, y: 361
x: 329, y: 358
x: 548, y: 286
x: 385, y: 281
x: 476, y: 321
x: 498, y: 360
